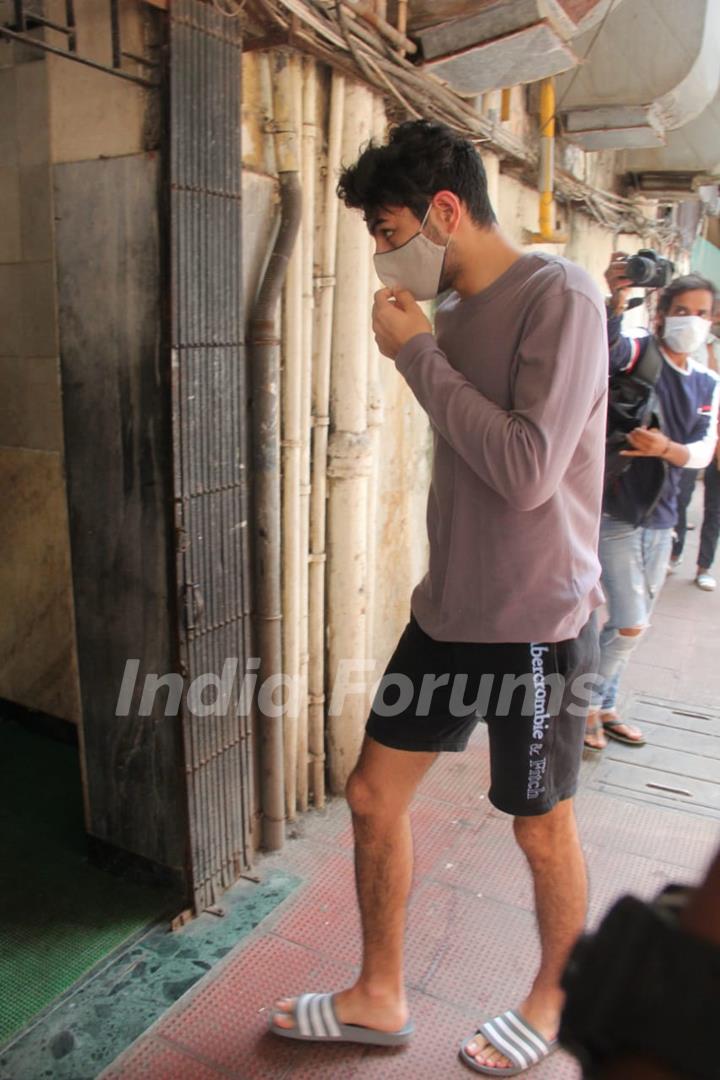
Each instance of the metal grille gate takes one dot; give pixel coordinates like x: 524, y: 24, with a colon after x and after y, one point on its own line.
x: 209, y: 433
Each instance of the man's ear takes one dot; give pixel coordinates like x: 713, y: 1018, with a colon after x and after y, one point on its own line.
x: 449, y: 209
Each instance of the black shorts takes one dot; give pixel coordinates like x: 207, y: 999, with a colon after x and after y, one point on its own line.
x: 533, y: 697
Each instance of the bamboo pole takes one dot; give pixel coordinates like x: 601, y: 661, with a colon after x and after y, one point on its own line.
x: 402, y: 18
x: 308, y: 169
x: 322, y: 348
x: 349, y: 461
x: 396, y: 37
x: 288, y: 89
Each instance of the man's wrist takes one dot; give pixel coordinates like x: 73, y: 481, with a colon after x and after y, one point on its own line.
x: 407, y: 350
x: 667, y: 448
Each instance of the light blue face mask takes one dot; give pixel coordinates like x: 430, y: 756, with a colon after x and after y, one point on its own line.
x: 417, y: 265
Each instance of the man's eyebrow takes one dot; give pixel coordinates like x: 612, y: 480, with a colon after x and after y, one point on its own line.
x: 374, y: 221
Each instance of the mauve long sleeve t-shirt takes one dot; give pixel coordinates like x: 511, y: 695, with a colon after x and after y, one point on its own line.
x: 515, y: 385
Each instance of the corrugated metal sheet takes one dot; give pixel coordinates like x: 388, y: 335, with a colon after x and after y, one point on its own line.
x: 209, y: 430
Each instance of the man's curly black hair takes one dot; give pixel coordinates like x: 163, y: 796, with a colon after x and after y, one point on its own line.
x: 420, y: 158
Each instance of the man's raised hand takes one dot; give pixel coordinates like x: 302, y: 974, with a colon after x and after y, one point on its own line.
x: 618, y: 283
x: 397, y: 317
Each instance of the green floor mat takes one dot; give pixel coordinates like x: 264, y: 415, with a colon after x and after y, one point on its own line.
x: 58, y: 914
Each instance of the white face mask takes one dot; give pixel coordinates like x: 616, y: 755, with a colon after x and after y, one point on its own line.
x: 417, y: 265
x: 685, y: 333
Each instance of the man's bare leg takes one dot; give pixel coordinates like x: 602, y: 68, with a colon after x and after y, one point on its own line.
x: 379, y: 792
x: 552, y: 847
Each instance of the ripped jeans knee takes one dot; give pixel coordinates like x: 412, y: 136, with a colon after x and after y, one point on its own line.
x: 616, y: 648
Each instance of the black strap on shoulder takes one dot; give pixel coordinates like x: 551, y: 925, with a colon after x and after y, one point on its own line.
x: 649, y: 365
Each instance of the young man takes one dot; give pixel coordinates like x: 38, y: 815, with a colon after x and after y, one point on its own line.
x: 641, y: 510
x: 514, y: 383
x: 708, y: 355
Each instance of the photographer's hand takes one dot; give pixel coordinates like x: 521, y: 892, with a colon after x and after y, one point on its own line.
x: 618, y: 283
x: 651, y: 442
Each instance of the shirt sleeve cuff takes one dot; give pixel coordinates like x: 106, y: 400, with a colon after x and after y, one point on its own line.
x: 700, y: 454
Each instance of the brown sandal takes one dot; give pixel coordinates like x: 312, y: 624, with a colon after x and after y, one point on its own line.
x: 610, y: 726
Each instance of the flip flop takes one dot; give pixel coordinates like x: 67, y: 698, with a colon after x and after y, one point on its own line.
x: 516, y: 1039
x: 608, y: 726
x: 315, y: 1021
x: 594, y: 729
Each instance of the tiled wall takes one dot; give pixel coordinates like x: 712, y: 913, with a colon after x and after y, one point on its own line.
x: 51, y: 111
x: 38, y: 666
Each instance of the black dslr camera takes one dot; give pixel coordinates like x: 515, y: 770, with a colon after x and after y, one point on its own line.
x: 648, y: 270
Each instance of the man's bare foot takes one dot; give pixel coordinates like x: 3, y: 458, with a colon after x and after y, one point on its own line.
x: 594, y: 735
x: 383, y: 1012
x: 625, y: 732
x: 541, y: 1012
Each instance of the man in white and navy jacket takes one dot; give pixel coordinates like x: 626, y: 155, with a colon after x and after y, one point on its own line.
x: 640, y: 504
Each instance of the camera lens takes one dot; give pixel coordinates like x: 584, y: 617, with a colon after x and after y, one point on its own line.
x: 640, y: 269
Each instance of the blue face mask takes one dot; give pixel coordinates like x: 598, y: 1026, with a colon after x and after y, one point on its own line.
x: 416, y: 266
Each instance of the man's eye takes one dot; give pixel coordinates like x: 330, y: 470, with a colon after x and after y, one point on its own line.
x: 388, y: 233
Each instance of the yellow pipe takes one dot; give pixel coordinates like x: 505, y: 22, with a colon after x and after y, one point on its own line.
x: 547, y: 107
x: 505, y: 104
x: 546, y: 178
x: 547, y: 155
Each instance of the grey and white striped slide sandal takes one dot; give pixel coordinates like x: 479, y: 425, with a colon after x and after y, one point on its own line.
x: 517, y: 1040
x: 315, y: 1020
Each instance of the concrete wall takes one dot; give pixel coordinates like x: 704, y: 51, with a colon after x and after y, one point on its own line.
x: 38, y: 663
x: 52, y: 111
x: 93, y: 114
x: 85, y: 519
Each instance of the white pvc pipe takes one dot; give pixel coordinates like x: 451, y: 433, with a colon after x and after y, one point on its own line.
x: 322, y: 347
x: 375, y: 420
x: 288, y: 98
x: 307, y: 181
x: 349, y: 460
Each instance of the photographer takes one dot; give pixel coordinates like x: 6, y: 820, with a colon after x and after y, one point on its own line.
x: 650, y: 970
x: 662, y: 419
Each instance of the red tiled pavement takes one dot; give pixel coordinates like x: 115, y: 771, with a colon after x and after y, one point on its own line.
x: 471, y: 940
x: 156, y: 1058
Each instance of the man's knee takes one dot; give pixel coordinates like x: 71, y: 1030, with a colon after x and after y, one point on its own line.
x: 632, y: 631
x: 367, y: 799
x: 540, y: 835
x: 358, y: 793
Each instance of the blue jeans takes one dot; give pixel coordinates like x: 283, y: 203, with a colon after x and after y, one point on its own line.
x: 711, y: 514
x: 634, y: 563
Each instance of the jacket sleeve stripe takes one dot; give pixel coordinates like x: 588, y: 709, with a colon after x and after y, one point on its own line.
x: 634, y: 354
